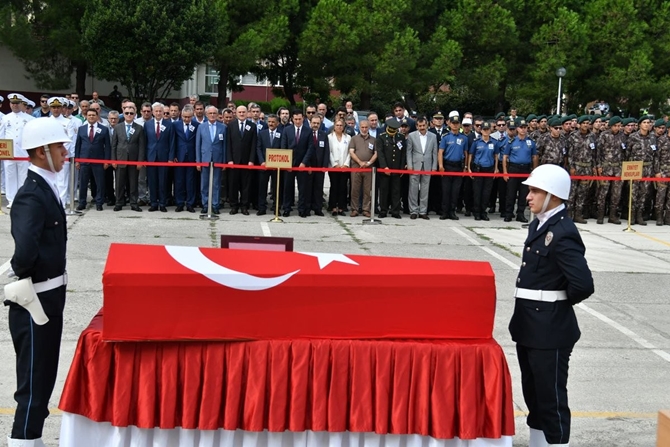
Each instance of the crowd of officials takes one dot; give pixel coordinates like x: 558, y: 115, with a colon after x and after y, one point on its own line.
x: 323, y: 137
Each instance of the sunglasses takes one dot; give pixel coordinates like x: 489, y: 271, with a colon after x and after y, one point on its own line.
x: 310, y: 113
x: 43, y: 101
x: 128, y: 113
x: 500, y: 125
x: 557, y: 127
x: 478, y: 125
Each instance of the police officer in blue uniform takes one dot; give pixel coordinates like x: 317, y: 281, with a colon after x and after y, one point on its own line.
x: 519, y: 157
x: 483, y: 157
x: 37, y: 299
x: 554, y: 276
x: 450, y: 158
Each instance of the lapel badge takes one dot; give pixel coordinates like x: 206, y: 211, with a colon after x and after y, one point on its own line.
x: 548, y: 238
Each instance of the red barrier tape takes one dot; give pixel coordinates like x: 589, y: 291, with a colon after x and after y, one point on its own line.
x: 309, y: 169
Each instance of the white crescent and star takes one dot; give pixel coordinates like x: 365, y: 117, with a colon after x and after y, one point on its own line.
x: 193, y: 259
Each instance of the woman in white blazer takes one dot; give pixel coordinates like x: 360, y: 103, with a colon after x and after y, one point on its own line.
x: 339, y: 158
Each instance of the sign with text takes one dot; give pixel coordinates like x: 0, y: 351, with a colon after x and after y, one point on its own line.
x: 6, y: 149
x: 631, y: 170
x: 279, y: 158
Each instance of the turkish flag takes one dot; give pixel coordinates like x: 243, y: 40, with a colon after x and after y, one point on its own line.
x: 189, y: 293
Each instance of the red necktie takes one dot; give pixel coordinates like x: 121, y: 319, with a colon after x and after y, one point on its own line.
x: 90, y: 134
x: 158, y: 129
x: 314, y: 139
x: 297, y: 134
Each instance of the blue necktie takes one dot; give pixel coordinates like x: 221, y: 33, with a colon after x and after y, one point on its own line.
x: 212, y: 128
x: 186, y: 131
x: 128, y: 131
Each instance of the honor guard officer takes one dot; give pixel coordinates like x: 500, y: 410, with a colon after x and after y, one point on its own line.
x: 554, y: 276
x: 37, y: 299
x: 391, y: 154
x: 12, y: 129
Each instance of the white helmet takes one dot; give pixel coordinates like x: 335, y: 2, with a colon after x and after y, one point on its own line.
x: 42, y: 132
x: 550, y: 178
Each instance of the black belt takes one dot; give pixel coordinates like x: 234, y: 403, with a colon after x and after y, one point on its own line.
x: 520, y: 165
x: 453, y: 163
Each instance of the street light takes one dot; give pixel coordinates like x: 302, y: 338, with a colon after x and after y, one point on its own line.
x: 560, y: 73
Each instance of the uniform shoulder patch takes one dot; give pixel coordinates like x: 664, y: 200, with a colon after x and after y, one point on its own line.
x: 548, y: 238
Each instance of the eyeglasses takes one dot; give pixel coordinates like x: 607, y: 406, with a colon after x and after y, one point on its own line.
x: 557, y: 128
x: 74, y: 97
x: 478, y: 125
x: 43, y: 101
x: 310, y: 112
x: 128, y: 113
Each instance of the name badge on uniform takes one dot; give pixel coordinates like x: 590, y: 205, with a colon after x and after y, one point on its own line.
x: 565, y: 151
x: 653, y: 147
x: 592, y: 146
x: 548, y: 238
x: 528, y: 143
x: 162, y: 128
x: 491, y: 146
x: 371, y: 146
x: 277, y: 135
x: 259, y: 127
x: 247, y: 127
x: 399, y: 144
x: 131, y: 131
x: 191, y: 127
x: 322, y: 144
x: 623, y: 146
x: 98, y: 130
x: 459, y: 140
x: 220, y: 137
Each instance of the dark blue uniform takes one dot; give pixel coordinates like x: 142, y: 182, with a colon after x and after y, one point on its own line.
x: 545, y: 332
x: 454, y: 146
x: 520, y: 155
x: 483, y: 160
x: 39, y: 230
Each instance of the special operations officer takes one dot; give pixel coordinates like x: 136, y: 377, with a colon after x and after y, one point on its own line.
x: 554, y: 276
x: 37, y: 299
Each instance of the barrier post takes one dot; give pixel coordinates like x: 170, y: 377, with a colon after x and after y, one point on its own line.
x: 72, y: 211
x: 210, y: 215
x: 630, y: 207
x: 277, y: 219
x: 372, y: 220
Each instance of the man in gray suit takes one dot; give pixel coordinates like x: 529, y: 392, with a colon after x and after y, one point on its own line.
x: 421, y: 156
x: 211, y: 144
x: 128, y: 144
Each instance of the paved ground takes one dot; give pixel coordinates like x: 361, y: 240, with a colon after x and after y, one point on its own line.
x: 620, y: 370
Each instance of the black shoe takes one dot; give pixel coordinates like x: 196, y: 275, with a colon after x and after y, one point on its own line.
x: 203, y: 211
x: 286, y: 213
x: 444, y: 217
x: 245, y: 212
x: 153, y: 208
x: 190, y: 209
x: 216, y: 211
x: 117, y: 208
x: 141, y: 203
x: 424, y: 216
x: 468, y: 213
x: 179, y: 209
x: 396, y: 216
x: 413, y: 216
x: 302, y: 214
x: 508, y: 219
x: 136, y: 208
x: 163, y: 209
x: 341, y: 213
x: 381, y: 215
x: 318, y: 213
x: 485, y: 217
x: 453, y: 216
x: 98, y: 207
x: 521, y: 218
x: 81, y: 207
x: 477, y: 217
x: 261, y: 213
x: 111, y: 203
x: 232, y: 211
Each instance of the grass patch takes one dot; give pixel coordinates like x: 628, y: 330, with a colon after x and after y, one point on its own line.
x: 351, y: 234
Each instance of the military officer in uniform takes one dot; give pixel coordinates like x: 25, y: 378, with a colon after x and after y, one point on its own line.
x: 610, y: 151
x: 641, y: 146
x: 391, y: 154
x: 581, y: 158
x: 56, y: 105
x: 37, y: 299
x: 15, y: 171
x: 554, y: 276
x: 552, y: 146
x: 662, y: 170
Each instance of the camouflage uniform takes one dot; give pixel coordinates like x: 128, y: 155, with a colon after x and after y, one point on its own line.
x: 641, y: 148
x: 662, y: 166
x: 537, y: 134
x: 581, y: 153
x: 610, y: 152
x: 552, y: 150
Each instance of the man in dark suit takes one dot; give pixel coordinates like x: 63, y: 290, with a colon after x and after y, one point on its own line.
x: 92, y: 143
x: 242, y: 135
x: 320, y: 159
x: 160, y: 148
x: 128, y: 144
x: 211, y: 146
x: 554, y: 277
x: 185, y: 177
x: 298, y: 138
x: 39, y: 230
x: 267, y: 138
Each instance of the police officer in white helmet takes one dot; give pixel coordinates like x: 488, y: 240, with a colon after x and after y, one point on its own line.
x: 37, y: 299
x: 554, y: 276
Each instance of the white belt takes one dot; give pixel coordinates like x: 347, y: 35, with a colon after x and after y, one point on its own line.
x: 51, y: 284
x: 541, y: 295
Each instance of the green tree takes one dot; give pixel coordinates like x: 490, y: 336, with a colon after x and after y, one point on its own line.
x: 149, y: 47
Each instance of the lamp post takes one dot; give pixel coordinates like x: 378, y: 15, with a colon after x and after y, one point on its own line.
x: 560, y: 73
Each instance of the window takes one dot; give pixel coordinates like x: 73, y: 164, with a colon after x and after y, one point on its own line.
x: 211, y: 80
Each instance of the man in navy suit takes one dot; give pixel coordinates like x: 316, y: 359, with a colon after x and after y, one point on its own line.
x: 93, y: 142
x: 211, y: 145
x: 320, y: 159
x: 554, y: 276
x: 160, y: 148
x: 267, y: 138
x: 242, y: 135
x: 298, y: 138
x: 185, y: 131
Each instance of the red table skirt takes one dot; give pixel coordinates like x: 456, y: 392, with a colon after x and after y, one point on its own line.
x: 438, y: 388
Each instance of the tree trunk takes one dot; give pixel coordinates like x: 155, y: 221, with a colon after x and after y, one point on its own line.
x: 366, y: 100
x: 80, y: 87
x: 222, y: 86
x: 500, y: 102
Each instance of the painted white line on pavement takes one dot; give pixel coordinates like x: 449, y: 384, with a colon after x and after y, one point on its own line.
x: 624, y: 330
x: 474, y: 241
x: 4, y: 267
x: 266, y: 229
x: 627, y: 332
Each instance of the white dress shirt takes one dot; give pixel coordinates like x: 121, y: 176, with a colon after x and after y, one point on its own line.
x: 48, y: 176
x: 543, y: 217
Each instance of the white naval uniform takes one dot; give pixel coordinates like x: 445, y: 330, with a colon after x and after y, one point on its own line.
x: 63, y: 177
x: 15, y: 171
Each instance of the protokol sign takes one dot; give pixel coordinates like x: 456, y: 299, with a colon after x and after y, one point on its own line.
x: 279, y: 158
x: 6, y: 149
